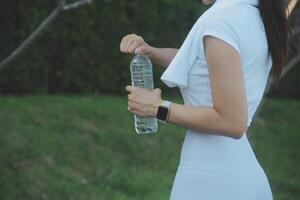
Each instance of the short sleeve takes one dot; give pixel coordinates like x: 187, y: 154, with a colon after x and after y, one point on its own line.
x: 223, y: 26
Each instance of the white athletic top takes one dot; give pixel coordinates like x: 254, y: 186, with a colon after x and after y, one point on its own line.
x: 238, y: 23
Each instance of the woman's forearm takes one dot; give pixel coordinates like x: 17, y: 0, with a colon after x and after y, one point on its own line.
x: 133, y: 43
x: 162, y: 56
x: 203, y: 119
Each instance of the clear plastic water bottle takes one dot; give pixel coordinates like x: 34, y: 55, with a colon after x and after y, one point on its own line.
x: 142, y: 76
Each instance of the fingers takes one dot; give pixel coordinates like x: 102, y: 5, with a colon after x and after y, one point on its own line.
x: 142, y: 50
x: 132, y: 106
x: 132, y: 93
x: 131, y: 97
x: 135, y: 109
x: 129, y: 88
x: 131, y: 103
x: 133, y: 47
x: 124, y: 43
x: 136, y: 101
x: 130, y: 42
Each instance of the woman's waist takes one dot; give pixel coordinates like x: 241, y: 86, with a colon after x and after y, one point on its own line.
x: 254, y: 173
x: 220, y: 154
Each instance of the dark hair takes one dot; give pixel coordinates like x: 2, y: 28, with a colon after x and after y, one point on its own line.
x: 273, y: 13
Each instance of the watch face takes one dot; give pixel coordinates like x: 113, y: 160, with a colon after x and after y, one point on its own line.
x: 162, y: 113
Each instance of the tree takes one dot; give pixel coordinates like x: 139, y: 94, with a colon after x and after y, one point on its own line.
x: 62, y: 6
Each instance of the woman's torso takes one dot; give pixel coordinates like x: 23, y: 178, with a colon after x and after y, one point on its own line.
x: 220, y: 153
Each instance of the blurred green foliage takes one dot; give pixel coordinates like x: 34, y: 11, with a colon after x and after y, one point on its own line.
x: 80, y: 52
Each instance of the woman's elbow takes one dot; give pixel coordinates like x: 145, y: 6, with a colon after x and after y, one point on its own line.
x: 238, y: 128
x: 238, y: 132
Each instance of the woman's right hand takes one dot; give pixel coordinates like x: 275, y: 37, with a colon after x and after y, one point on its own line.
x: 133, y: 43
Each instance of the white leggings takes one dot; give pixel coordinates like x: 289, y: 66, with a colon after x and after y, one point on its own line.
x: 193, y: 183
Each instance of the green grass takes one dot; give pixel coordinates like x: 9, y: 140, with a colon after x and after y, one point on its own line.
x: 86, y: 148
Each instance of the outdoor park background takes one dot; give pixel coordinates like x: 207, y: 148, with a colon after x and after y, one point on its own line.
x: 65, y: 132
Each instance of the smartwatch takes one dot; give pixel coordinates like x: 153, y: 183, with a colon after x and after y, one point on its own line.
x: 163, y: 111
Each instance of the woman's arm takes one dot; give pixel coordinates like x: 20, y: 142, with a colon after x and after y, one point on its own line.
x: 162, y: 56
x: 228, y: 116
x: 135, y: 44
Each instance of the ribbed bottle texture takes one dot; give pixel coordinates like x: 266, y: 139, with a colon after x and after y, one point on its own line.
x: 142, y: 76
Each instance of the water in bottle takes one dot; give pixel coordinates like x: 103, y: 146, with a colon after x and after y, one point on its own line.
x: 142, y: 76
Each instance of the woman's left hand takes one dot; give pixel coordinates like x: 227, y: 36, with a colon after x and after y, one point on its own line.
x: 143, y: 102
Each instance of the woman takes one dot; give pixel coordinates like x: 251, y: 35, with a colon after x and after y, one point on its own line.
x: 221, y: 70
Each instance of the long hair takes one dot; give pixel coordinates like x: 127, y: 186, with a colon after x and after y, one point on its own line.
x: 273, y: 13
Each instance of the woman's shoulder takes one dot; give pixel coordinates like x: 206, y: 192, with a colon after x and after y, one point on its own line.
x: 227, y: 23
x: 232, y: 12
x: 230, y: 16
